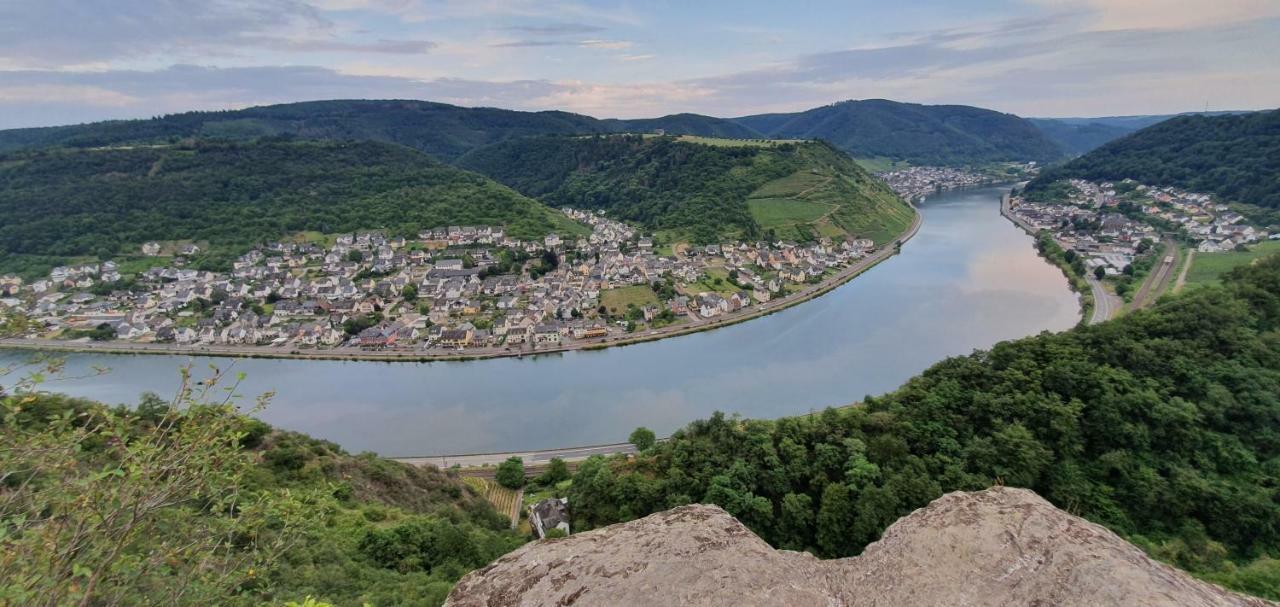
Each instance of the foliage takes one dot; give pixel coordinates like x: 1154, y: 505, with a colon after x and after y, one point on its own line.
x: 919, y: 134
x: 510, y: 473
x: 663, y: 183
x: 1077, y: 138
x: 643, y: 438
x: 252, y: 515
x: 105, y: 507
x: 62, y: 204
x: 1232, y: 156
x: 1161, y: 425
x: 441, y: 130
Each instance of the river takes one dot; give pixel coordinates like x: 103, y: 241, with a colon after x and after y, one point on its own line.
x: 969, y: 279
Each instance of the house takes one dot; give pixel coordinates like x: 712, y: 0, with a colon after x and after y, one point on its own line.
x: 456, y: 338
x: 548, y: 514
x: 547, y: 333
x: 151, y: 249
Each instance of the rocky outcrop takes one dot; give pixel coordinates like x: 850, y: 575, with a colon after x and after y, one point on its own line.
x: 1001, y: 546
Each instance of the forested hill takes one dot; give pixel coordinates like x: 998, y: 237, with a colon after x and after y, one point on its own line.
x: 702, y: 189
x: 61, y: 204
x: 1236, y: 157
x: 920, y: 134
x: 1163, y: 425
x: 441, y: 130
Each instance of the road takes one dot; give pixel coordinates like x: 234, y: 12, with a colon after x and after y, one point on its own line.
x: 1105, y: 305
x: 350, y: 353
x: 1158, y: 280
x: 475, y: 460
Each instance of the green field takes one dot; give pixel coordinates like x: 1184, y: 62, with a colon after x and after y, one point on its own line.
x: 1208, y: 268
x: 737, y: 143
x: 618, y: 300
x: 881, y: 164
x: 815, y: 202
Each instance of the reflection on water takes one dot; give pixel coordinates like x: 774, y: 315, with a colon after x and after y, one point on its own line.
x: 966, y: 281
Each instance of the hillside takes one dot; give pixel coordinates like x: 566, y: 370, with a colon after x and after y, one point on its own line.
x: 702, y: 189
x: 1236, y: 157
x: 1162, y: 425
x: 1078, y: 138
x: 310, y: 519
x: 990, y: 548
x: 441, y: 130
x: 60, y: 205
x: 919, y: 134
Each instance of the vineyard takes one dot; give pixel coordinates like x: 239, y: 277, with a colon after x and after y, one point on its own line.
x: 505, y: 501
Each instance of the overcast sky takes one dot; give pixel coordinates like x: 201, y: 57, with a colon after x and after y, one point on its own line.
x: 66, y: 61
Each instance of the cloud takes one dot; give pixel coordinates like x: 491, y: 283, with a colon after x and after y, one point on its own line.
x: 382, y: 46
x: 556, y: 29
x: 1166, y: 14
x: 53, y: 33
x: 606, y: 44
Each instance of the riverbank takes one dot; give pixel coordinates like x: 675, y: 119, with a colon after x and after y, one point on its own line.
x: 356, y: 354
x: 1080, y: 285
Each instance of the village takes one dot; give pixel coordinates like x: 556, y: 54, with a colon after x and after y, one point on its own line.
x: 1110, y: 224
x: 916, y: 183
x: 451, y: 289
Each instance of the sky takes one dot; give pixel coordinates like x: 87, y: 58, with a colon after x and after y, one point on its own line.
x: 70, y: 61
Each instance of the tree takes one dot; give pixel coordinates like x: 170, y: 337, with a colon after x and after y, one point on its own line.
x: 409, y: 292
x: 510, y: 473
x: 643, y: 438
x: 835, y: 520
x: 355, y: 255
x: 1099, y: 272
x: 556, y: 472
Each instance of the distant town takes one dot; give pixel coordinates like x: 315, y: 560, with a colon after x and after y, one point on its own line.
x: 1107, y: 223
x: 452, y: 289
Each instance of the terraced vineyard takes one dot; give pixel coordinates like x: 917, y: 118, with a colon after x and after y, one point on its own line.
x: 504, y: 500
x: 816, y: 202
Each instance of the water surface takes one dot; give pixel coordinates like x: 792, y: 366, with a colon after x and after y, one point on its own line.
x: 969, y: 279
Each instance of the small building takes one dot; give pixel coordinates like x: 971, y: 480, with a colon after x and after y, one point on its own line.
x: 151, y: 249
x: 548, y: 514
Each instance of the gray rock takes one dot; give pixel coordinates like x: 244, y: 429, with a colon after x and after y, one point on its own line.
x: 1001, y: 547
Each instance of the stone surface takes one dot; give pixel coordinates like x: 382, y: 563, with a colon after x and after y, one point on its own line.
x: 1001, y: 547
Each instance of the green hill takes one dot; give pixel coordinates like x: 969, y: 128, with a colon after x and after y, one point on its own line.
x: 1079, y: 138
x: 919, y: 134
x: 1236, y: 157
x: 60, y: 205
x: 701, y: 188
x: 441, y: 130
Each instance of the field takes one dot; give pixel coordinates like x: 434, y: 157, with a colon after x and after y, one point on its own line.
x: 736, y: 143
x: 505, y: 501
x: 618, y: 300
x: 1208, y: 268
x: 707, y: 284
x: 814, y: 203
x: 881, y: 164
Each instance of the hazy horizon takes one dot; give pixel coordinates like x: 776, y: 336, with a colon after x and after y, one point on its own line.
x: 68, y: 61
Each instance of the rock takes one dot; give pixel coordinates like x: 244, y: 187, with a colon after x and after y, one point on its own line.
x: 1001, y: 546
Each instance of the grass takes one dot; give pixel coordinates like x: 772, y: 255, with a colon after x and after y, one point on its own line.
x: 736, y: 143
x: 813, y: 203
x: 881, y: 164
x: 618, y: 300
x: 781, y: 212
x: 707, y: 283
x: 1208, y: 268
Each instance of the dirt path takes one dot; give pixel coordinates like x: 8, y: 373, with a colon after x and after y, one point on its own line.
x: 1158, y: 280
x: 1182, y: 275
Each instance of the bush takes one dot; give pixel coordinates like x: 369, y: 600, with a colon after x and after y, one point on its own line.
x: 511, y: 473
x: 643, y: 438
